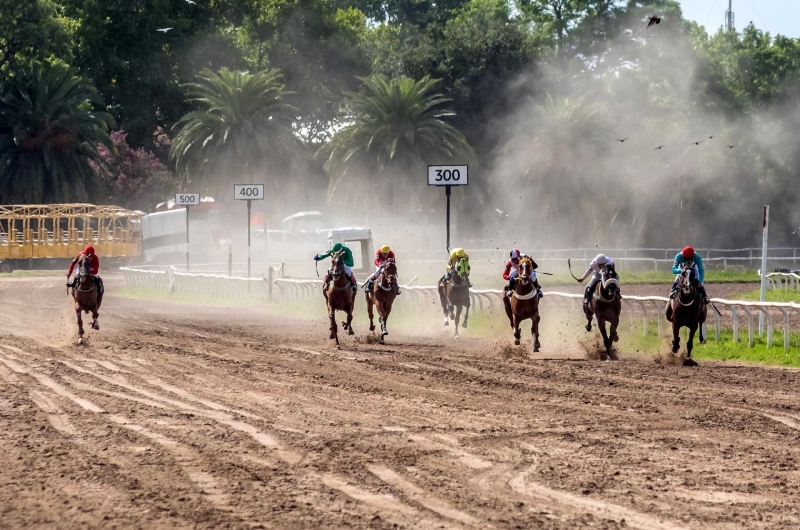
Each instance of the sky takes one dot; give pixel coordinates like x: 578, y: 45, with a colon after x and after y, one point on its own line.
x: 775, y: 16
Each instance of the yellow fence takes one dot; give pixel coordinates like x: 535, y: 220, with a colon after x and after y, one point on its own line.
x: 63, y: 230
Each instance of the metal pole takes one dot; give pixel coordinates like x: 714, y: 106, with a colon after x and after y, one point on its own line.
x: 764, y: 245
x: 447, y: 194
x: 248, y: 239
x: 187, y: 238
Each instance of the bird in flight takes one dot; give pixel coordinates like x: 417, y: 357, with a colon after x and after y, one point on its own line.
x: 659, y: 147
x: 653, y: 20
x: 697, y: 143
x: 730, y: 146
x: 164, y: 30
x: 621, y: 140
x: 795, y: 231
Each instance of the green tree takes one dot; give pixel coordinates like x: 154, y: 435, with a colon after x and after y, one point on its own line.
x: 51, y: 124
x: 241, y: 133
x: 394, y: 128
x: 31, y: 32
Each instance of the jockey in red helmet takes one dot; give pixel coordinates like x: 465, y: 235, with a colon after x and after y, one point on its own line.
x: 383, y: 256
x: 94, y: 270
x: 511, y: 272
x: 688, y: 257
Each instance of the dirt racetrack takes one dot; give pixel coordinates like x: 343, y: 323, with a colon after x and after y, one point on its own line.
x: 183, y: 417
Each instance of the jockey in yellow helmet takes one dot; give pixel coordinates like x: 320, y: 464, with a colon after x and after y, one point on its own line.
x: 456, y: 255
x: 383, y: 256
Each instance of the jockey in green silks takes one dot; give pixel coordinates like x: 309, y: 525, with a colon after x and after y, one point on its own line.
x: 347, y: 260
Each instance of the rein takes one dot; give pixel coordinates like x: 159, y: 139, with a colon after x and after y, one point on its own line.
x: 605, y: 283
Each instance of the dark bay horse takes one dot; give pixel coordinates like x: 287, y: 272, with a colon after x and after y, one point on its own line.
x: 523, y: 303
x: 686, y: 310
x: 454, y: 295
x: 339, y: 296
x: 382, y: 296
x: 605, y: 305
x: 86, y: 297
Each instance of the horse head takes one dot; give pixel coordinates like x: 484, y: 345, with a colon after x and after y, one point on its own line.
x: 83, y: 268
x: 390, y: 271
x: 525, y: 270
x: 610, y: 279
x: 337, y: 265
x: 687, y: 281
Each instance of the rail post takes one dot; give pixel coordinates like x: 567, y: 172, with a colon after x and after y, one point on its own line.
x: 735, y: 324
x: 785, y: 327
x: 749, y: 314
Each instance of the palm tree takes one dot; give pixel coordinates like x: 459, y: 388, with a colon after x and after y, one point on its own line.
x: 242, y: 130
x: 395, y: 127
x: 51, y: 127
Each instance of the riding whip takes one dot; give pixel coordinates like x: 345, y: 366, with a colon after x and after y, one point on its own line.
x: 547, y: 273
x: 715, y: 308
x: 569, y: 264
x: 316, y: 267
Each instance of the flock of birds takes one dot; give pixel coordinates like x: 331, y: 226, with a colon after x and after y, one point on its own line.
x: 660, y: 147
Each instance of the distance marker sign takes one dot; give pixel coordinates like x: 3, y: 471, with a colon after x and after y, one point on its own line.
x: 248, y: 192
x: 187, y: 199
x: 448, y: 175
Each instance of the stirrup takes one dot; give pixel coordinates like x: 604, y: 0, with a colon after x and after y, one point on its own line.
x: 541, y: 294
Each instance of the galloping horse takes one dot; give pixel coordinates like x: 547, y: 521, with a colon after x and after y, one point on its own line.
x: 86, y: 297
x: 454, y: 294
x: 606, y: 305
x: 339, y: 296
x: 382, y: 295
x: 523, y: 303
x: 686, y: 310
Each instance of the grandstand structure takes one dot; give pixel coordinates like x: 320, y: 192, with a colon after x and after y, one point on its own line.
x: 38, y: 231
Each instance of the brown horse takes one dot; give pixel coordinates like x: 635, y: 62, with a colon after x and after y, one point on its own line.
x: 686, y: 310
x: 339, y: 296
x: 605, y: 305
x: 382, y: 296
x: 523, y: 303
x: 86, y: 296
x: 454, y: 294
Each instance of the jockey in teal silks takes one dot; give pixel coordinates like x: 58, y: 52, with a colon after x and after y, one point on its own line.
x: 688, y: 256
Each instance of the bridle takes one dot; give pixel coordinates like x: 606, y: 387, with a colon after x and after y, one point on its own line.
x: 609, y: 282
x: 525, y: 266
x: 83, y: 272
x: 686, y: 286
x: 337, y: 268
x: 388, y: 273
x: 461, y: 272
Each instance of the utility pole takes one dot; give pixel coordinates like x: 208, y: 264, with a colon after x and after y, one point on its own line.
x: 729, y: 19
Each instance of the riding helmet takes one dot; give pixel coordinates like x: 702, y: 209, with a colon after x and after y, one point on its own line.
x: 385, y: 249
x: 515, y: 254
x: 687, y: 252
x: 89, y: 249
x: 601, y: 259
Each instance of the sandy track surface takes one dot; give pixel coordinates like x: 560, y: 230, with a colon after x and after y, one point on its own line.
x: 183, y: 417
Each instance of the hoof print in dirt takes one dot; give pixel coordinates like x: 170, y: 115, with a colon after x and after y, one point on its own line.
x: 689, y: 362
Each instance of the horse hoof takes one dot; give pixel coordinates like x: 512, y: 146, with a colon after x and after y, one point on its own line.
x: 464, y: 325
x: 333, y: 336
x: 588, y: 327
x: 536, y: 349
x: 80, y: 341
x: 350, y: 331
x: 371, y: 327
x: 455, y: 336
x: 615, y: 338
x: 446, y: 323
x: 516, y: 342
x: 689, y: 362
x: 703, y: 341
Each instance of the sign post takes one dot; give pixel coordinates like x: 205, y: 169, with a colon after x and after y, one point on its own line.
x: 249, y: 193
x: 764, y: 247
x: 448, y: 176
x: 186, y: 200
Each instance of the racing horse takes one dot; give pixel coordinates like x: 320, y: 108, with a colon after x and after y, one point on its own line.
x: 686, y: 310
x: 86, y: 296
x: 605, y: 305
x: 339, y: 296
x: 454, y: 295
x: 523, y: 303
x: 382, y: 296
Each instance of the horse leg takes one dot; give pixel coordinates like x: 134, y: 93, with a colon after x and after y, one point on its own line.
x: 702, y: 320
x: 80, y: 325
x: 587, y: 310
x: 517, y: 333
x: 507, y: 305
x: 457, y: 319
x: 535, y: 330
x: 370, y: 313
x: 95, y: 325
x: 601, y: 325
x: 690, y: 342
x: 612, y: 334
x: 466, y: 317
x: 384, y: 311
x: 332, y: 317
x: 349, y: 323
x: 443, y: 300
x: 676, y: 338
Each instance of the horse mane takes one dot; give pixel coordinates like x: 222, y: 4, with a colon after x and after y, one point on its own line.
x: 527, y: 259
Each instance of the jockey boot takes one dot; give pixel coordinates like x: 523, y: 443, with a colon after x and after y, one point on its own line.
x: 327, y: 281
x: 396, y: 288
x: 538, y: 288
x: 370, y: 285
x: 355, y: 283
x: 674, y: 292
x: 703, y: 295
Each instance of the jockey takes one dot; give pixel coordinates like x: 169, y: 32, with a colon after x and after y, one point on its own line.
x: 456, y: 255
x: 383, y: 256
x: 688, y: 256
x: 512, y: 272
x: 347, y: 259
x: 94, y: 270
x: 598, y: 264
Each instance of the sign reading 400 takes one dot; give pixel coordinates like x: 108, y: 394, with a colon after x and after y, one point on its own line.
x: 248, y: 192
x: 448, y: 175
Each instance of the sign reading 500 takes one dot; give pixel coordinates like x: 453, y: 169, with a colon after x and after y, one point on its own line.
x: 448, y: 175
x: 248, y: 192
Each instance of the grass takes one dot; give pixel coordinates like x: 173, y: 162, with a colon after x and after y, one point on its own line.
x: 187, y: 298
x: 662, y: 277
x: 773, y: 296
